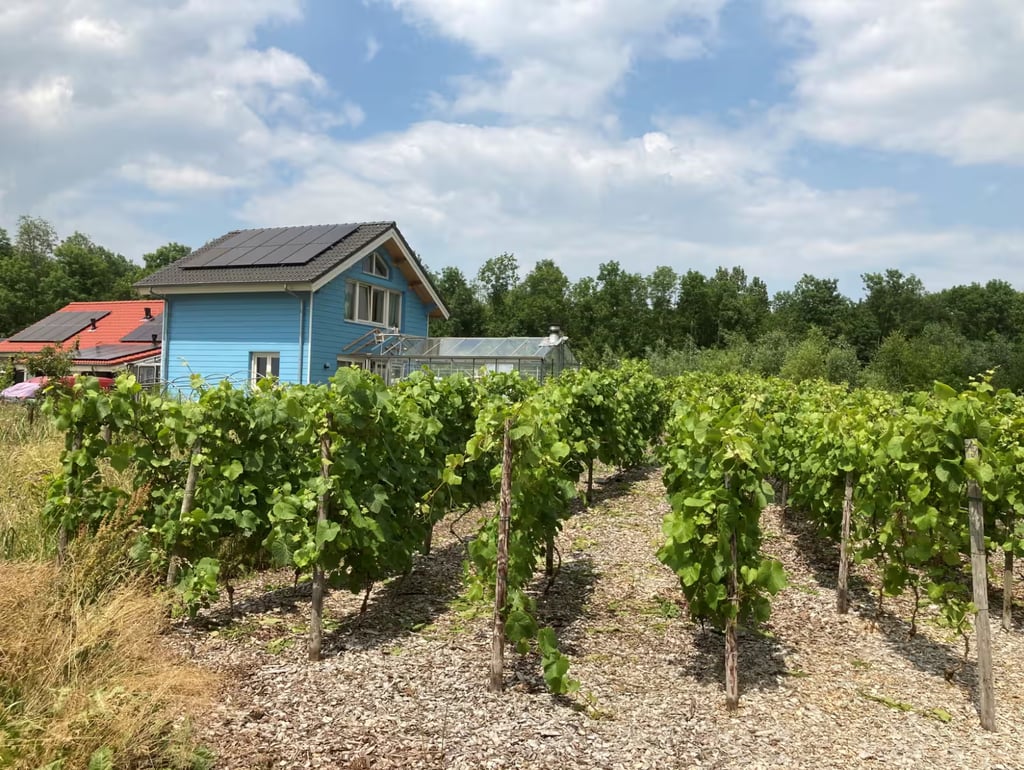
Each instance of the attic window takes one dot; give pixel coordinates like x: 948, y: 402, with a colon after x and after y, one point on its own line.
x: 376, y: 265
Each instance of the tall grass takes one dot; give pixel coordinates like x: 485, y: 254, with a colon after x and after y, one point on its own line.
x: 83, y: 672
x: 29, y: 452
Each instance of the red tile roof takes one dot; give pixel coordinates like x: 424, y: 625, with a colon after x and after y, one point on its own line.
x: 122, y: 319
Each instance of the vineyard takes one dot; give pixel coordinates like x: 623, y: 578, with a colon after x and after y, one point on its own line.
x: 479, y: 498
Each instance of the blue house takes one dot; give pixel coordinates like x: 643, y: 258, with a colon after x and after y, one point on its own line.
x: 292, y: 302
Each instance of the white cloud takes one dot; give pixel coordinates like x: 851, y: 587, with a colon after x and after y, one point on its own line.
x: 272, y: 67
x: 104, y: 135
x: 160, y: 175
x: 99, y: 88
x: 46, y: 103
x: 935, y: 76
x: 372, y: 48
x: 692, y: 195
x: 560, y: 57
x: 104, y: 34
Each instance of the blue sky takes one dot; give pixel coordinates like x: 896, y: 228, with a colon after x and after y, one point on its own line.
x: 784, y: 136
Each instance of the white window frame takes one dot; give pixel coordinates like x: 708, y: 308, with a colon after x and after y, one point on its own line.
x: 270, y: 358
x: 375, y: 264
x: 363, y: 299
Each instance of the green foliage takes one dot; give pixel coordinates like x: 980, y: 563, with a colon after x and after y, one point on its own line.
x: 467, y: 310
x: 52, y: 361
x: 401, y: 457
x: 715, y: 471
x: 906, y: 456
x: 40, y: 272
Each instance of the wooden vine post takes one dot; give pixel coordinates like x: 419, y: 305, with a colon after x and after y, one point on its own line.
x: 323, y: 509
x: 843, y: 592
x: 1008, y: 576
x: 188, y: 501
x: 979, y: 578
x: 549, y: 557
x: 732, y: 679
x: 501, y: 576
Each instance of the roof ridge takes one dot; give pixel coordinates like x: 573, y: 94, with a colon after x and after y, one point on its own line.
x: 110, y: 302
x: 319, y: 224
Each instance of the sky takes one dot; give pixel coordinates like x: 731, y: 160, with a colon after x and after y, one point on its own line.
x: 830, y: 137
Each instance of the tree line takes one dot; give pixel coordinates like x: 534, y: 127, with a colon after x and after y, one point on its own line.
x: 896, y: 336
x: 41, y: 273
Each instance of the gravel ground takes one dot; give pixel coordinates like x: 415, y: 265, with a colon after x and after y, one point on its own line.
x: 404, y: 686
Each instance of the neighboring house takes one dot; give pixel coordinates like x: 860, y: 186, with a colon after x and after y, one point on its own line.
x: 104, y: 338
x: 292, y: 302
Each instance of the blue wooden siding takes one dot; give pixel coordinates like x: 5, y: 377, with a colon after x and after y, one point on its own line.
x: 215, y: 334
x: 332, y: 333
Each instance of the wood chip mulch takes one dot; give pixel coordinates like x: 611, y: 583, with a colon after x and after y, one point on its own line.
x: 404, y: 685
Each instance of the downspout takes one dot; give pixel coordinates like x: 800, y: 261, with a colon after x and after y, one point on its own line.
x: 309, y: 358
x: 302, y: 305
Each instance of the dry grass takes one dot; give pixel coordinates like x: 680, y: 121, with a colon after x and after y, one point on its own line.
x: 82, y: 665
x: 23, y: 423
x: 30, y: 454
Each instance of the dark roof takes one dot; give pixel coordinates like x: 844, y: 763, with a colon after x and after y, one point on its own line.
x: 59, y: 326
x: 115, y: 351
x: 188, y: 271
x: 146, y: 329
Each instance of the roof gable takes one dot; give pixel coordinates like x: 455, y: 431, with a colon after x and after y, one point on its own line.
x: 239, y: 261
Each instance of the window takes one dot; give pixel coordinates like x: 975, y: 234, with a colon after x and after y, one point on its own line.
x: 376, y: 265
x: 373, y: 305
x: 265, y: 365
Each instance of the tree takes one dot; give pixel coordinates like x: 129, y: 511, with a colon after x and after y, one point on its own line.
x: 496, y: 278
x: 694, y: 311
x: 82, y: 270
x: 978, y: 311
x: 37, y: 240
x: 818, y: 357
x: 812, y: 302
x: 895, y: 300
x: 736, y: 305
x: 619, y: 311
x: 23, y: 267
x: 52, y: 361
x: 540, y: 301
x: 162, y: 257
x: 662, y: 298
x: 466, y: 309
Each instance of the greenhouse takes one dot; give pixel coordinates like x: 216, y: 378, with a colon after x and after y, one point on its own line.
x: 394, y: 356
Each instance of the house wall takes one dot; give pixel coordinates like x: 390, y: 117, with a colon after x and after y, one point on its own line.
x: 332, y: 333
x: 215, y: 334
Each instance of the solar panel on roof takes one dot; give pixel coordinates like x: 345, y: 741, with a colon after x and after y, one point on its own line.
x: 285, y: 235
x: 335, y: 233
x: 279, y: 253
x: 261, y: 238
x: 59, y: 326
x: 204, y: 258
x: 240, y: 238
x: 270, y: 246
x: 303, y: 255
x: 144, y: 331
x: 250, y: 255
x: 112, y: 351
